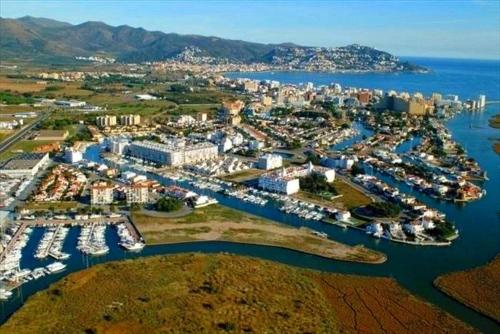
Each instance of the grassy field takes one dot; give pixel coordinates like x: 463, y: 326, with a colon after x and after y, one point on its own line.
x: 244, y: 175
x: 5, y: 133
x: 52, y: 206
x: 349, y: 197
x: 197, y: 293
x: 23, y: 146
x: 20, y: 85
x: 217, y: 222
x: 477, y: 288
x: 12, y: 109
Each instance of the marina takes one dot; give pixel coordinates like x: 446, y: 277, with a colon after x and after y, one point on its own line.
x: 403, y: 258
x: 91, y: 241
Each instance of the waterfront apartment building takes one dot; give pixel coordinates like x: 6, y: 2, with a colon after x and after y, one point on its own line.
x: 118, y: 146
x: 106, y: 120
x: 130, y: 119
x: 403, y: 103
x: 279, y: 182
x: 286, y: 180
x: 173, y: 154
x: 137, y: 193
x: 270, y: 161
x: 101, y: 193
x: 72, y: 156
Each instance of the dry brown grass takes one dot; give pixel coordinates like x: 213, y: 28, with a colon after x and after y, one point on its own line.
x: 196, y: 293
x: 20, y: 85
x: 217, y: 222
x: 478, y: 288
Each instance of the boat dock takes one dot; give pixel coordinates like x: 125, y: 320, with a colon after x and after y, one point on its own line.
x: 47, y: 249
x: 12, y: 242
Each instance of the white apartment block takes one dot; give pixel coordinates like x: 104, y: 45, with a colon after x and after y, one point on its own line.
x: 101, y: 193
x: 280, y: 183
x: 174, y: 154
x: 73, y: 156
x: 270, y: 161
x: 137, y: 193
x: 118, y: 146
x: 286, y: 180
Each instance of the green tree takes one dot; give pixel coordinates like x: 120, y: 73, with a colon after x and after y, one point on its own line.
x: 168, y: 204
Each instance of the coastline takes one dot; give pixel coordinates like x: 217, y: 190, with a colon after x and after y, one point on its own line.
x: 361, y: 72
x: 382, y: 260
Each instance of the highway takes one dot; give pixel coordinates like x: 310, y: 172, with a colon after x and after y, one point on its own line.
x: 4, y: 145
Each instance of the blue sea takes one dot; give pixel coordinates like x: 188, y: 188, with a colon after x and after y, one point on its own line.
x: 413, y: 267
x: 464, y: 77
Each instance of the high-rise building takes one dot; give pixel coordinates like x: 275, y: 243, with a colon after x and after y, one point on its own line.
x: 106, y: 120
x: 118, y: 146
x: 130, y: 119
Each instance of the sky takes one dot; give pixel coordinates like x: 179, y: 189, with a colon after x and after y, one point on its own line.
x: 458, y: 29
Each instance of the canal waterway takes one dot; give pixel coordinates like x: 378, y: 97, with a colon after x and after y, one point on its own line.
x: 414, y: 267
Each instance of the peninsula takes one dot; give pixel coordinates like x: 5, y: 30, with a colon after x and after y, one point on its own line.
x: 221, y: 223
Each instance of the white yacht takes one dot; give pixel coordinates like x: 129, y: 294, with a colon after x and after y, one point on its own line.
x: 132, y: 246
x: 5, y: 294
x: 55, y: 267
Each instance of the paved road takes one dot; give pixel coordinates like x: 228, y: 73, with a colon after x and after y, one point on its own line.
x: 20, y: 134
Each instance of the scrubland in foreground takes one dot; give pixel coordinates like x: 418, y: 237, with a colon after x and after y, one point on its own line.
x: 478, y: 288
x: 196, y: 293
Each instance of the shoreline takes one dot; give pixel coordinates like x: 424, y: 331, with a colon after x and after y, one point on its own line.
x: 220, y: 223
x: 382, y: 260
x: 464, y: 302
x: 463, y: 286
x: 361, y: 72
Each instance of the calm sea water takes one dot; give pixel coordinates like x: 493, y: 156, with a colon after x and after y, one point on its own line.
x: 464, y: 77
x: 413, y: 267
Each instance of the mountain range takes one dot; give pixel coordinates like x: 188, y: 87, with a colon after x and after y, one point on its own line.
x: 41, y: 38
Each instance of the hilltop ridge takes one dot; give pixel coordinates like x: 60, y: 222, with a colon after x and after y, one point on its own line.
x: 41, y: 38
